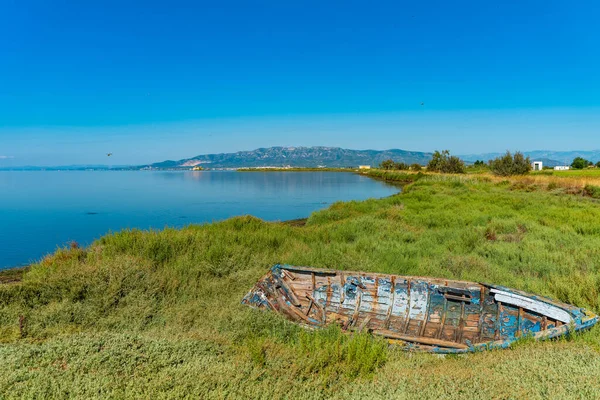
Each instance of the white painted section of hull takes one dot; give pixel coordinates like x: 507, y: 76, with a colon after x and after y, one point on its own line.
x: 532, y: 305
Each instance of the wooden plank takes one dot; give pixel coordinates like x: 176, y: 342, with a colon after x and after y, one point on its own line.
x: 310, y: 304
x: 457, y: 298
x: 288, y: 274
x: 533, y: 305
x: 416, y: 339
x: 287, y: 290
x: 364, y: 324
x: 327, y: 297
x: 318, y: 305
x: 481, y: 313
x: 422, y: 330
x: 408, y: 304
x: 293, y: 312
x: 375, y: 303
x: 357, y: 308
x: 342, y: 289
x: 443, y: 322
x: 498, y: 321
x: 461, y: 323
x: 320, y: 271
x: 266, y: 293
x: 386, y: 324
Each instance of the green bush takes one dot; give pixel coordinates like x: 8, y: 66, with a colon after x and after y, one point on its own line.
x: 446, y: 163
x: 580, y: 163
x: 392, y: 165
x: 592, y: 191
x: 508, y: 164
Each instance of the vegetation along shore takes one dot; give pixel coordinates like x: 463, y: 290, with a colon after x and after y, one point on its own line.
x: 158, y: 314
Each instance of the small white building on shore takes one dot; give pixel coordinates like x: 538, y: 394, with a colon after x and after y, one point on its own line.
x: 364, y: 167
x: 562, y: 168
x: 537, y: 165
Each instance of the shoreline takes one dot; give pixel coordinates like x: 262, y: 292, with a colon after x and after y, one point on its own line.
x: 12, y: 275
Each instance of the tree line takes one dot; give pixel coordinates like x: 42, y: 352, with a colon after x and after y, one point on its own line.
x: 508, y: 164
x: 581, y: 163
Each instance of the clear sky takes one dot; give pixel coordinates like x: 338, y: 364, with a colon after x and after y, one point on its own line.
x: 153, y: 80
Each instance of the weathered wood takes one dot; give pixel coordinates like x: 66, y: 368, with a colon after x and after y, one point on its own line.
x: 498, y: 321
x: 288, y: 274
x: 457, y: 298
x: 461, y: 323
x: 419, y: 310
x: 417, y: 339
x: 310, y: 304
x: 427, y: 312
x: 386, y: 324
x: 443, y: 321
x: 533, y: 305
x: 342, y: 290
x: 544, y: 323
x: 357, y: 308
x: 481, y: 313
x: 288, y: 291
x: 364, y: 323
x: 408, y: 305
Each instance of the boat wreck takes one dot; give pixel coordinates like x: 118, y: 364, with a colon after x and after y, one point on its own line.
x: 422, y: 314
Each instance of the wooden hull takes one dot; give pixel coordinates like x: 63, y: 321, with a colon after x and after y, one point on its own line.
x: 426, y: 314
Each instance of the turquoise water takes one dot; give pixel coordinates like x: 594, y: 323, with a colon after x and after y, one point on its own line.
x: 43, y: 210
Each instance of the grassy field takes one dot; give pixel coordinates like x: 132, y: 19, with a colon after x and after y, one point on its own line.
x: 573, y: 173
x: 157, y: 314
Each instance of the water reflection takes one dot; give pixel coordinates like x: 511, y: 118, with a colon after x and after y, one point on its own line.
x: 42, y: 210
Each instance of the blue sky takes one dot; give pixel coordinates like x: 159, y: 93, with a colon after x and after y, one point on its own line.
x: 166, y: 80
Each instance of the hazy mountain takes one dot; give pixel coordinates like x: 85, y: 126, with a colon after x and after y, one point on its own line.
x: 298, y: 157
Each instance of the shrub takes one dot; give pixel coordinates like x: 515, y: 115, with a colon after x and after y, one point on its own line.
x: 509, y: 164
x: 391, y: 164
x: 580, y: 163
x: 444, y: 162
x: 416, y: 167
x: 592, y: 191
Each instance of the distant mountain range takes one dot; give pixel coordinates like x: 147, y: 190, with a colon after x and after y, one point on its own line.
x: 338, y: 157
x: 334, y: 157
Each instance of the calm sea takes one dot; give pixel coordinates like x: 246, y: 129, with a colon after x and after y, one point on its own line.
x: 40, y: 211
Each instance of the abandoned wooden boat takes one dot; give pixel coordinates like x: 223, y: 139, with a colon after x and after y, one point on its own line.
x: 426, y: 314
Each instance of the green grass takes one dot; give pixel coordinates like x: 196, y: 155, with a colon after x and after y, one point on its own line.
x: 157, y: 314
x: 592, y: 191
x: 573, y: 173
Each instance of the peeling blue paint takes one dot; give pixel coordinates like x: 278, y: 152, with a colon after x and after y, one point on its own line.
x: 424, y: 314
